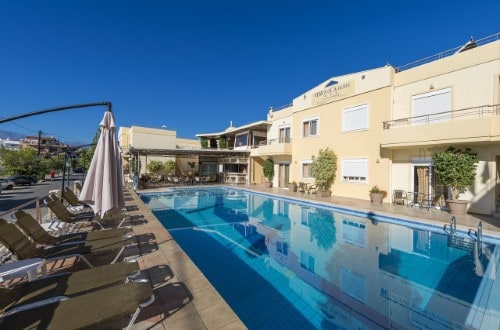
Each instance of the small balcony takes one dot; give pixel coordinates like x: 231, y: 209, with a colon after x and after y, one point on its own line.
x: 273, y: 147
x: 476, y: 124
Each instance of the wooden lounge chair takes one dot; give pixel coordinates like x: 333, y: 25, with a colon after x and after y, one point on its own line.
x: 66, y: 284
x: 14, y: 240
x: 63, y: 214
x: 71, y: 198
x: 34, y: 230
x: 78, y: 186
x: 90, y: 310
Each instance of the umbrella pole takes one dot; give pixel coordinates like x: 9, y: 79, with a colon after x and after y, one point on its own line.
x: 64, y: 172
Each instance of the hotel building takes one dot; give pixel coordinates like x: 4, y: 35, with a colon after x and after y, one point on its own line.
x: 385, y: 124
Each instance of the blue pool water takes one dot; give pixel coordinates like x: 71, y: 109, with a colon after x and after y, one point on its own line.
x: 284, y: 264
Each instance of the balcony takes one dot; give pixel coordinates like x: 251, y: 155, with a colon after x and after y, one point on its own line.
x: 477, y: 124
x: 272, y: 148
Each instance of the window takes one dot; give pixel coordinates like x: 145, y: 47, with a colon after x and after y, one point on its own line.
x: 354, y: 170
x: 241, y: 140
x: 306, y: 170
x: 353, y: 232
x: 282, y: 248
x: 307, y: 261
x: 353, y: 285
x: 284, y: 135
x: 310, y: 127
x: 305, y: 217
x: 355, y: 118
x: 430, y: 105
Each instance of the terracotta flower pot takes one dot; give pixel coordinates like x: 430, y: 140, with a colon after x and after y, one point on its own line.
x: 376, y: 198
x: 457, y: 207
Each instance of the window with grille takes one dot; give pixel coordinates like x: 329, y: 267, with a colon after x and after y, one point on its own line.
x: 355, y: 118
x: 354, y: 170
x: 310, y: 127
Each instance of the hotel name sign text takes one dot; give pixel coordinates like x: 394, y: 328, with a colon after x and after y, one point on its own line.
x: 333, y: 93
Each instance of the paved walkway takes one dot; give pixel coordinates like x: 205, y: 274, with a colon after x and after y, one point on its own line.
x: 185, y: 299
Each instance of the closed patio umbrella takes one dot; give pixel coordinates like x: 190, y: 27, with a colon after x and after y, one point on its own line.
x: 103, y: 186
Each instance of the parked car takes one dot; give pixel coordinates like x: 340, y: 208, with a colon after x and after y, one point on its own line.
x: 7, y: 184
x: 23, y: 179
x: 78, y: 170
x: 1, y: 189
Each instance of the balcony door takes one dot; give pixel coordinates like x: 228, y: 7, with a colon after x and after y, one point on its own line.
x: 426, y: 183
x: 284, y: 135
x: 283, y: 175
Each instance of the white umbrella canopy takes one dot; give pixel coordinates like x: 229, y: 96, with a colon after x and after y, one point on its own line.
x: 103, y: 186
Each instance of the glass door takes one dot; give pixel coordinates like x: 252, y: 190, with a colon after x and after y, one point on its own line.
x: 284, y: 175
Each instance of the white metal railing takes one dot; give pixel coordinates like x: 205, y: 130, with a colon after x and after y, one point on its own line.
x: 275, y: 141
x: 447, y: 53
x: 467, y: 113
x: 281, y: 108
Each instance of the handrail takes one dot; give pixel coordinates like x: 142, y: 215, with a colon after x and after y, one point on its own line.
x: 473, y: 112
x: 274, y: 141
x: 447, y: 53
x: 281, y: 107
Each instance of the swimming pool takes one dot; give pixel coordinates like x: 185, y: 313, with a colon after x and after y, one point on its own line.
x: 281, y: 263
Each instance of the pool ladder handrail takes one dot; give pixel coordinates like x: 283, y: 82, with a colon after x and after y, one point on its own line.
x: 453, y: 225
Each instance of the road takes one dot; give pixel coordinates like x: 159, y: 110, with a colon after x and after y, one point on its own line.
x: 10, y: 199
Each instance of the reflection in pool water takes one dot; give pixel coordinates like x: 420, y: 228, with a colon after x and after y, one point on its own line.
x: 284, y: 264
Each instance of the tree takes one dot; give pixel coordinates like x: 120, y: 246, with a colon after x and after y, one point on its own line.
x: 170, y: 167
x: 322, y: 224
x: 204, y: 143
x: 455, y: 168
x: 24, y: 162
x: 85, y: 155
x: 133, y: 167
x: 324, y: 168
x: 155, y: 167
x: 223, y: 142
x: 269, y: 169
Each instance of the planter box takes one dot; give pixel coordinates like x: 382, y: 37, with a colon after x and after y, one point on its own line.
x: 376, y: 198
x: 269, y: 184
x: 292, y: 187
x: 323, y: 193
x: 457, y: 207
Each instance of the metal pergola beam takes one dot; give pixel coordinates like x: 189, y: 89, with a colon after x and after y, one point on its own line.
x: 67, y: 107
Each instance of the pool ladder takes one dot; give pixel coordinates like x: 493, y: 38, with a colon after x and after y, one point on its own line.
x: 453, y: 231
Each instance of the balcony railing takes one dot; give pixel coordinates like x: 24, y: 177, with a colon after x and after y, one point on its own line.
x: 447, y: 53
x: 467, y: 113
x: 275, y: 141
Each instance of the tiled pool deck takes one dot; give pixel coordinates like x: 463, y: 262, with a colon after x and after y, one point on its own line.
x: 184, y: 297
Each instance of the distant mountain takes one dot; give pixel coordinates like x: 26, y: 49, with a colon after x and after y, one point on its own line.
x: 11, y: 135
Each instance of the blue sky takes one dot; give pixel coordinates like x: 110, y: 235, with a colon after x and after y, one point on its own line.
x: 195, y: 65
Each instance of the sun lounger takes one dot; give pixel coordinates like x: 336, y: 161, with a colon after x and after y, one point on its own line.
x: 14, y: 240
x: 66, y: 284
x: 93, y: 309
x: 34, y: 230
x: 78, y: 186
x: 63, y: 214
x: 71, y: 198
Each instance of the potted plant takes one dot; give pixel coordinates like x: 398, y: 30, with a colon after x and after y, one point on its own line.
x: 376, y: 195
x: 204, y: 143
x: 269, y: 172
x: 223, y: 142
x: 323, y: 170
x: 292, y: 186
x: 456, y: 169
